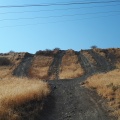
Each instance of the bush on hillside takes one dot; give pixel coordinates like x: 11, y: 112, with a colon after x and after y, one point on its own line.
x: 46, y: 52
x: 56, y: 49
x: 93, y: 47
x: 4, y: 61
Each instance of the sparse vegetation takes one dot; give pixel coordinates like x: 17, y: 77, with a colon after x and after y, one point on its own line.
x: 111, y: 54
x: 40, y: 67
x: 4, y: 61
x: 108, y: 86
x: 15, y: 93
x: 70, y: 67
x: 22, y: 98
x: 8, y: 62
x: 88, y: 56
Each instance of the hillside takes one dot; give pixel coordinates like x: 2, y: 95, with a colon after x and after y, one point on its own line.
x: 58, y: 64
x: 71, y: 97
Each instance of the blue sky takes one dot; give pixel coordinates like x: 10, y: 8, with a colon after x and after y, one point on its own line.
x: 29, y: 29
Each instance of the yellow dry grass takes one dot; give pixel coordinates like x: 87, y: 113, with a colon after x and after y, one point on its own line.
x: 113, y: 52
x: 118, y: 65
x: 40, y: 67
x: 108, y: 86
x: 70, y: 67
x: 15, y: 92
x: 15, y: 59
x: 116, y: 53
x: 89, y: 57
x: 5, y: 71
x: 99, y: 51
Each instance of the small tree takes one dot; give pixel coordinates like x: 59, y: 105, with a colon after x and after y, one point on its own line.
x: 11, y: 52
x: 93, y: 47
x: 56, y: 48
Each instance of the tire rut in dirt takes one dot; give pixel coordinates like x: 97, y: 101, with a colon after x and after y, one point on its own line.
x: 55, y: 66
x: 102, y: 64
x: 23, y: 68
x: 88, y: 67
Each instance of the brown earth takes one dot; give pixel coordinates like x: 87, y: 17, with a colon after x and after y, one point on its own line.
x: 69, y: 100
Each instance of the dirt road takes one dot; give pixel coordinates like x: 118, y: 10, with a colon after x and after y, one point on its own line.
x: 68, y: 99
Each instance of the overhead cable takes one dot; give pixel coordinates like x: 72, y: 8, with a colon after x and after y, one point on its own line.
x: 57, y: 4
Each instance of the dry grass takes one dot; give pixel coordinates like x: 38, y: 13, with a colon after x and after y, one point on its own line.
x: 111, y: 54
x: 5, y: 71
x: 89, y: 57
x: 116, y: 56
x: 15, y: 59
x: 100, y: 51
x: 70, y: 67
x: 108, y: 86
x: 40, y: 67
x: 17, y: 92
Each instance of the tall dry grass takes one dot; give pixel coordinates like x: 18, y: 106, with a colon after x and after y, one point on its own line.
x: 14, y: 59
x: 108, y: 86
x: 40, y: 67
x: 17, y: 92
x: 70, y: 66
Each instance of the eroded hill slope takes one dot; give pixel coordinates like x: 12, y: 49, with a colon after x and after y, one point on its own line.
x: 59, y: 64
x: 65, y: 71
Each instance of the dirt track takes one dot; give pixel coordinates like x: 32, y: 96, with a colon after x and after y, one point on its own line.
x: 23, y: 68
x: 54, y: 68
x: 68, y: 99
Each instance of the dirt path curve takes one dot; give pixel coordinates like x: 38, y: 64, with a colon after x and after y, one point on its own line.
x: 70, y: 101
x: 23, y: 67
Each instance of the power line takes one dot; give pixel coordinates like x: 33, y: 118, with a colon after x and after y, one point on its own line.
x: 58, y: 21
x: 56, y: 4
x: 58, y: 9
x: 65, y: 15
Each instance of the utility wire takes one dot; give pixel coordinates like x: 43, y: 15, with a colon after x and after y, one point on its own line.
x: 66, y: 15
x: 57, y: 9
x: 57, y: 4
x: 58, y: 21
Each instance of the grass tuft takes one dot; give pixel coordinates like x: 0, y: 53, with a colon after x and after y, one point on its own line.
x: 108, y: 86
x: 70, y: 67
x: 17, y: 92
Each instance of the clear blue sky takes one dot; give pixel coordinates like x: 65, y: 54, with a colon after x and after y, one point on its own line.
x: 75, y: 27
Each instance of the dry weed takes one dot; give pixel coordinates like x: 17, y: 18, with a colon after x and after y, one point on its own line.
x: 7, y: 70
x: 40, y: 67
x: 16, y: 92
x: 108, y: 86
x: 70, y: 67
x: 89, y: 57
